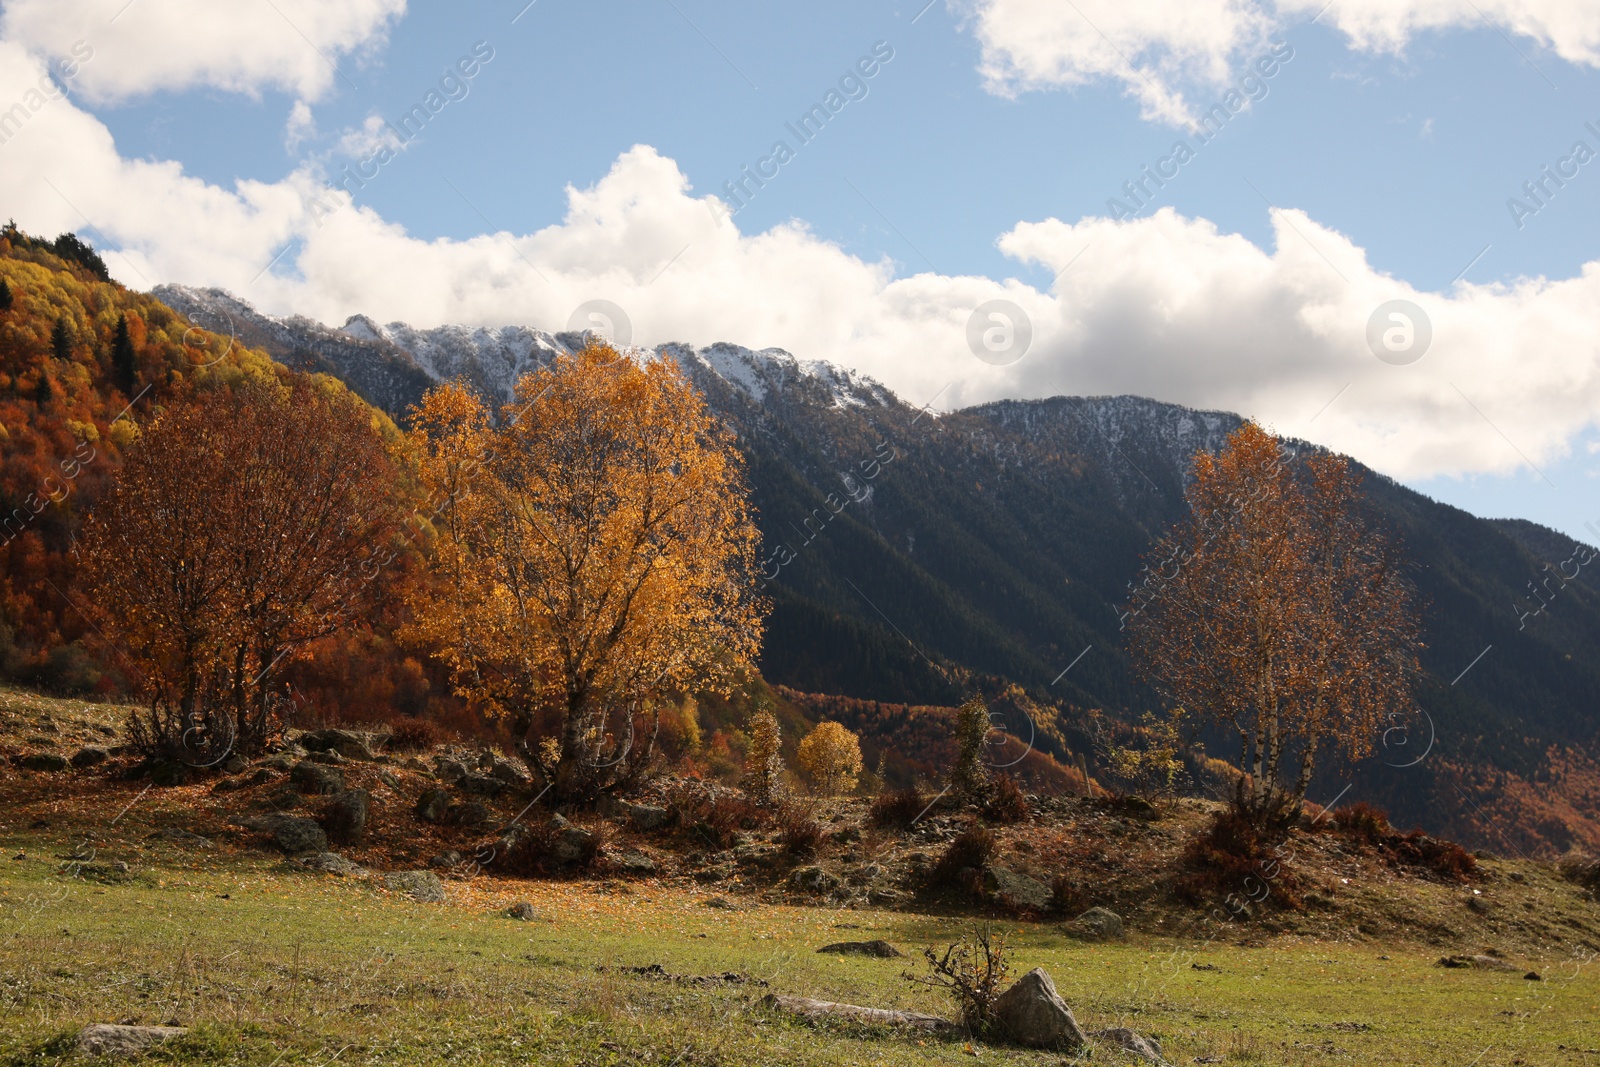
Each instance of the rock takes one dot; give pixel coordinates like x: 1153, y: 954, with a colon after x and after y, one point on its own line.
x: 647, y: 817
x: 709, y: 875
x: 235, y: 764
x: 292, y: 833
x: 311, y: 777
x: 1479, y: 905
x: 572, y: 843
x: 389, y: 780
x: 472, y: 813
x: 348, y: 743
x: 43, y: 761
x: 1098, y: 924
x: 1016, y: 890
x: 722, y: 904
x: 637, y: 863
x: 423, y: 886
x: 884, y: 896
x: 511, y: 774
x: 1144, y: 1048
x: 824, y: 1010
x: 89, y: 755
x: 813, y: 879
x: 480, y: 785
x: 1481, y: 962
x: 345, y: 817
x: 522, y: 911
x: 445, y: 859
x: 329, y: 758
x: 432, y: 805
x: 280, y: 762
x: 105, y: 1039
x: 331, y: 863
x: 877, y: 949
x: 182, y: 838
x: 449, y: 770
x: 1032, y: 1013
x: 1534, y: 976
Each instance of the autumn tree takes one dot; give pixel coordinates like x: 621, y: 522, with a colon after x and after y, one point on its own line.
x: 968, y: 778
x: 763, y: 760
x: 596, y: 553
x: 830, y: 755
x: 124, y: 363
x: 1280, y: 610
x: 241, y: 529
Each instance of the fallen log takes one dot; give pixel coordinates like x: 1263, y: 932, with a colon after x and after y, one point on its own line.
x: 824, y: 1010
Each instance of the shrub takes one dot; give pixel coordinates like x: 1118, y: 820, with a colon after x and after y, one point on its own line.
x: 716, y: 814
x: 414, y: 735
x: 535, y: 851
x: 974, y: 972
x: 968, y: 779
x: 970, y: 850
x: 1362, y: 824
x: 1231, y: 860
x: 763, y: 761
x: 1367, y: 827
x: 1006, y: 803
x: 799, y: 829
x: 898, y: 808
x: 1068, y: 897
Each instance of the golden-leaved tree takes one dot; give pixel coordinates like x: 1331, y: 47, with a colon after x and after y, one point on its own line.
x: 1281, y: 610
x: 596, y: 552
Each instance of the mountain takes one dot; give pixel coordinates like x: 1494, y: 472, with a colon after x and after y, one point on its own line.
x: 912, y: 556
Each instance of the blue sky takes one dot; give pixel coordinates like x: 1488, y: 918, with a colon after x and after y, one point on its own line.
x: 1410, y: 153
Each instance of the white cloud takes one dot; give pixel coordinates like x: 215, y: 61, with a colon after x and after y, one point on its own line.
x: 301, y: 125
x: 1163, y: 306
x: 1159, y: 49
x: 147, y: 45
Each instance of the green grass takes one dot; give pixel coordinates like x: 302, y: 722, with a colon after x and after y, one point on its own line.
x: 276, y: 968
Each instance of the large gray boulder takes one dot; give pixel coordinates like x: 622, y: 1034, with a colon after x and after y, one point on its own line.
x: 107, y: 1039
x: 292, y: 833
x: 331, y: 863
x: 1017, y: 890
x: 1098, y: 924
x: 348, y: 743
x: 1140, y: 1047
x: 432, y: 805
x: 421, y: 886
x: 647, y: 817
x: 346, y: 815
x: 572, y: 843
x: 43, y: 761
x: 1032, y: 1013
x: 90, y: 755
x: 315, y: 778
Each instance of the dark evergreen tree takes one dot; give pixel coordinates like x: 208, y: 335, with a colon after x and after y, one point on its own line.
x: 61, y: 339
x: 124, y: 364
x: 5, y: 296
x: 46, y: 389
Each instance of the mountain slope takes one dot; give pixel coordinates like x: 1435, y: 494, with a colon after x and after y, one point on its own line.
x: 913, y: 557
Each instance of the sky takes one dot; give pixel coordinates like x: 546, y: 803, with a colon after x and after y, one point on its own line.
x: 1370, y: 224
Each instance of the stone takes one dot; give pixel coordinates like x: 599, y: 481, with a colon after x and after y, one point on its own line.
x: 106, y: 1039
x: 43, y: 761
x: 281, y: 762
x: 722, y: 904
x: 449, y: 770
x: 480, y: 785
x: 825, y: 1010
x: 1481, y: 962
x: 432, y: 805
x: 637, y: 863
x: 292, y: 833
x: 1017, y: 890
x: 522, y: 911
x: 89, y: 756
x: 1032, y: 1013
x: 422, y: 886
x: 1144, y: 1048
x: 813, y: 879
x: 348, y: 743
x: 472, y: 813
x: 648, y: 817
x: 1098, y: 924
x: 311, y: 777
x: 389, y: 780
x: 876, y: 949
x: 329, y: 758
x: 331, y: 863
x: 511, y: 774
x: 572, y: 843
x: 235, y: 764
x: 445, y: 859
x: 345, y: 817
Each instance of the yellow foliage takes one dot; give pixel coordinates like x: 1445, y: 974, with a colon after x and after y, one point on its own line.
x: 831, y: 756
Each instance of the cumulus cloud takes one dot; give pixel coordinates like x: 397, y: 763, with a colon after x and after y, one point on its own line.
x: 147, y: 45
x: 1158, y: 49
x: 1162, y: 306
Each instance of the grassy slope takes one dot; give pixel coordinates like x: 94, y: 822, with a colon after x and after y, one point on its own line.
x: 275, y: 967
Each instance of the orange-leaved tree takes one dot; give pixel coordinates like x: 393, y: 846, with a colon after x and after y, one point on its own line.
x: 244, y: 526
x: 597, y: 552
x: 1279, y: 609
